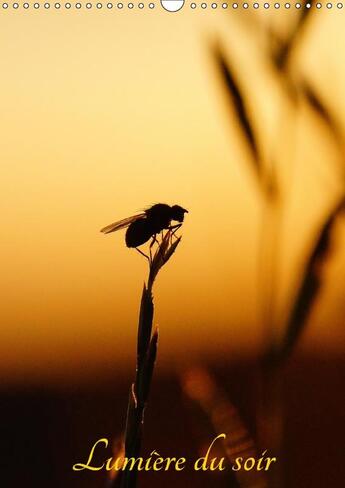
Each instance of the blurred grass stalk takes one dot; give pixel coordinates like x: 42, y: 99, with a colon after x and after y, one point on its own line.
x: 147, y: 343
x: 280, y: 347
x: 200, y: 386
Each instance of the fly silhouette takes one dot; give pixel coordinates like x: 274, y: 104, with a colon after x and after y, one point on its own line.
x: 146, y: 225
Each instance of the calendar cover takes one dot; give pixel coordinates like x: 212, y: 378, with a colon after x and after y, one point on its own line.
x: 172, y: 244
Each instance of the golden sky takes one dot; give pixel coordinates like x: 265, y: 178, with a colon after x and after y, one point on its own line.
x: 104, y: 113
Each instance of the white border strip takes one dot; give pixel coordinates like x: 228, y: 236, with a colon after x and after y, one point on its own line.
x: 152, y: 5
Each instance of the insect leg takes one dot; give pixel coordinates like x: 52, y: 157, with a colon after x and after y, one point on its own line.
x: 143, y: 254
x: 175, y: 228
x: 154, y: 239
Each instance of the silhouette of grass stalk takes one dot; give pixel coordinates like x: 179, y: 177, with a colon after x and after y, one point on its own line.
x: 147, y: 343
x: 310, y: 283
x: 310, y: 276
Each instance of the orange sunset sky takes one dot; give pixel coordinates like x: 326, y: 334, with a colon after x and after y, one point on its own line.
x: 104, y: 113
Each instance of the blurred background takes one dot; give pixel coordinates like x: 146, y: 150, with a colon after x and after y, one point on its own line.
x: 104, y: 113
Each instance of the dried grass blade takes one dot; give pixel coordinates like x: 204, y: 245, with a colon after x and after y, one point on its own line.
x: 310, y: 285
x: 162, y: 256
x: 133, y: 438
x: 146, y: 377
x: 236, y: 98
x: 170, y: 251
x: 282, y: 55
x: 145, y: 324
x: 158, y: 259
x: 315, y: 102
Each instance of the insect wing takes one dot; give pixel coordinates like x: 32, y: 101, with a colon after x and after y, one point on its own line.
x: 121, y: 224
